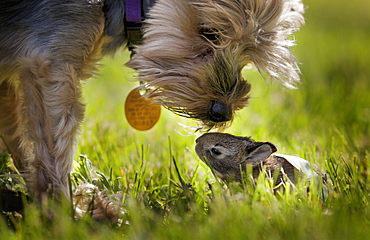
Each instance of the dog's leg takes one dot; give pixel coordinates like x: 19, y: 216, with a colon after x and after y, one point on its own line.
x: 10, y: 128
x: 52, y: 112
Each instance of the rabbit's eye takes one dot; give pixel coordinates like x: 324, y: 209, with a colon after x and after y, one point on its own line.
x: 215, y: 152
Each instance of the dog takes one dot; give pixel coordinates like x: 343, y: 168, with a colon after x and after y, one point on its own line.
x: 189, y: 59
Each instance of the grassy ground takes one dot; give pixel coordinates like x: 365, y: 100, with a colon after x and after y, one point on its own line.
x: 325, y: 121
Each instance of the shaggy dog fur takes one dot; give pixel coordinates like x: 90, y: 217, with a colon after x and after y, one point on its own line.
x: 191, y: 50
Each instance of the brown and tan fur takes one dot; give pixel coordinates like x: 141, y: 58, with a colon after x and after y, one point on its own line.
x: 229, y: 156
x: 190, y: 61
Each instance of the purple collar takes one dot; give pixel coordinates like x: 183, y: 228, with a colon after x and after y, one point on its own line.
x: 133, y: 11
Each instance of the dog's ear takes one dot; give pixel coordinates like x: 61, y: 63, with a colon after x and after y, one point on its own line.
x: 273, y: 22
x: 259, y: 152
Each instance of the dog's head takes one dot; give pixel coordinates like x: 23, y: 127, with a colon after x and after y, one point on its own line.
x: 193, y: 52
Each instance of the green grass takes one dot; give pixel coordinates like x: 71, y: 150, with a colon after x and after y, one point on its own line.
x: 168, y: 193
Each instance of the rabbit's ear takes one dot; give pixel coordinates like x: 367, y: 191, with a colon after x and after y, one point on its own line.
x: 259, y: 152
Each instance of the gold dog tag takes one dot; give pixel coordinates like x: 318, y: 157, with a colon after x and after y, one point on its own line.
x: 141, y: 113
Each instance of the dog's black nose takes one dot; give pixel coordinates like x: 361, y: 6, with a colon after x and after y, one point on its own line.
x: 219, y: 112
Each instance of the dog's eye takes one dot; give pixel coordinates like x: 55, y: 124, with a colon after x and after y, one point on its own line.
x: 215, y: 152
x: 210, y: 34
